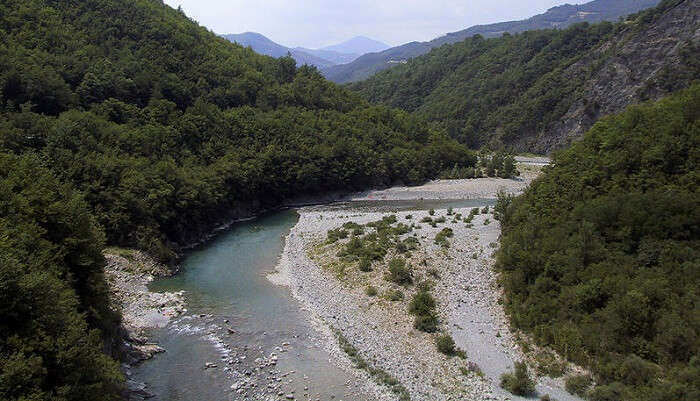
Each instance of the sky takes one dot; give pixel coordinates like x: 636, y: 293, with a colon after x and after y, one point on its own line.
x: 318, y: 23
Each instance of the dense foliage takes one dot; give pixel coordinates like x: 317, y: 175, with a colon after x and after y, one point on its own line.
x: 166, y: 127
x: 127, y: 123
x: 52, y: 295
x: 498, y: 91
x: 600, y: 257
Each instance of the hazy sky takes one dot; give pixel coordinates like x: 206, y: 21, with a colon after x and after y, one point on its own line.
x: 317, y: 23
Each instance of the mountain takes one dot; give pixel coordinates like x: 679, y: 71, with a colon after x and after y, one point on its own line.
x: 358, y: 45
x: 599, y: 256
x: 330, y: 55
x: 540, y: 90
x: 557, y: 17
x: 263, y: 45
x: 125, y: 123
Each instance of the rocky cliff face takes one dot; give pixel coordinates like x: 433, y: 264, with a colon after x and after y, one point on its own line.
x: 636, y: 66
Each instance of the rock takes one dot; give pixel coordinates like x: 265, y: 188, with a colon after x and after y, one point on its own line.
x: 210, y: 365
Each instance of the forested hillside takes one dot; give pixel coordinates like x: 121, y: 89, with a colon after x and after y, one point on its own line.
x: 126, y: 123
x: 539, y: 90
x: 557, y: 17
x: 600, y: 257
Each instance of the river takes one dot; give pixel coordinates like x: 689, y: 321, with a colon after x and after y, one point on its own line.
x: 226, y: 288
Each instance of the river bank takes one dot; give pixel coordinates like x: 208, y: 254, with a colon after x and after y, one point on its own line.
x: 128, y: 273
x: 465, y: 286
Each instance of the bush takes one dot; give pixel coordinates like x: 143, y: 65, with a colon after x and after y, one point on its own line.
x: 365, y: 265
x: 485, y: 210
x: 399, y: 273
x: 549, y: 365
x: 336, y: 234
x: 635, y: 371
x: 394, y: 295
x: 578, y: 384
x: 431, y: 212
x: 409, y: 216
x: 446, y: 345
x: 370, y: 291
x: 518, y: 382
x: 422, y: 303
x: 426, y: 323
x: 442, y: 236
x: 611, y: 392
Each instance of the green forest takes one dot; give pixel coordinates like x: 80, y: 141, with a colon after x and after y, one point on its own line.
x: 126, y: 123
x: 600, y: 257
x: 506, y: 91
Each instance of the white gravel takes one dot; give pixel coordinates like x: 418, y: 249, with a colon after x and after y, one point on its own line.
x: 382, y: 331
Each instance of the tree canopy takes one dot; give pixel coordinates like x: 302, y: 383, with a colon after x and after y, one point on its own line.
x: 600, y: 257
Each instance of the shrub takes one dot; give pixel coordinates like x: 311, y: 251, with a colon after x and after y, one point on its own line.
x: 394, y: 295
x: 635, y: 371
x: 433, y: 272
x: 336, y: 234
x: 518, y: 382
x: 485, y: 210
x: 426, y: 323
x: 578, y: 384
x: 409, y: 216
x: 446, y: 345
x: 370, y: 291
x: 474, y: 211
x: 422, y: 303
x: 442, y: 236
x: 549, y: 365
x: 472, y: 367
x: 450, y: 211
x: 365, y: 265
x: 399, y: 273
x: 431, y: 212
x: 611, y: 392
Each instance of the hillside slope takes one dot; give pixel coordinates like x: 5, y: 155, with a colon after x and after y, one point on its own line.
x: 539, y: 90
x: 556, y: 17
x: 123, y: 122
x: 600, y: 256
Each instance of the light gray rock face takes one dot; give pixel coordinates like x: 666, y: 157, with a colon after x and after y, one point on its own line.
x: 635, y: 66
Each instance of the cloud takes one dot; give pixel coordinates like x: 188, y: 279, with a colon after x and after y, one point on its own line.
x: 317, y: 23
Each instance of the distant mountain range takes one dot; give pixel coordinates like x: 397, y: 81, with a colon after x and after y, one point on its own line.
x: 341, y: 53
x: 556, y: 17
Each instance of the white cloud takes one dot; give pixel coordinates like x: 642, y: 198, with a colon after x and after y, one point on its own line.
x: 316, y: 23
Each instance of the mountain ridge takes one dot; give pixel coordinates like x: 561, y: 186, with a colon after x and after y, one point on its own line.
x: 540, y: 90
x: 264, y: 45
x: 556, y: 17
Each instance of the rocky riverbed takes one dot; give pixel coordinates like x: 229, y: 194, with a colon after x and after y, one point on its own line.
x: 381, y: 330
x: 128, y: 273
